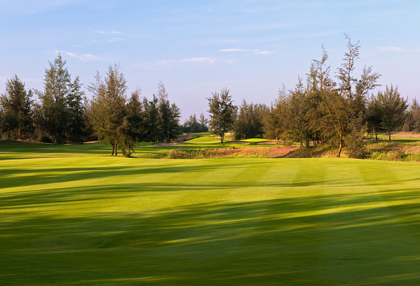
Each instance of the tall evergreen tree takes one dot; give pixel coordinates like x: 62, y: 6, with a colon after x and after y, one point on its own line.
x: 16, y: 105
x: 75, y: 110
x: 249, y: 121
x: 108, y: 108
x: 61, y: 104
x: 392, y: 109
x: 168, y: 116
x: 221, y: 111
x: 413, y: 117
x: 203, y: 121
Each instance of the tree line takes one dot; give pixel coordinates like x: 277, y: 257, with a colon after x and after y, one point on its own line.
x: 322, y: 109
x: 61, y: 113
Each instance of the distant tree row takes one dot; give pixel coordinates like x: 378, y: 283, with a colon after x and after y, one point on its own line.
x: 323, y: 109
x: 63, y: 114
x: 193, y: 125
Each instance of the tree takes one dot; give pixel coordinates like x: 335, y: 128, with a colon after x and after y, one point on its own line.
x: 297, y: 120
x: 168, y: 116
x: 203, y: 123
x: 75, y: 109
x: 151, y: 120
x: 221, y: 111
x: 346, y: 102
x: 373, y: 117
x: 274, y: 120
x: 392, y: 109
x: 413, y: 117
x: 108, y: 109
x: 249, y: 122
x: 16, y: 105
x: 61, y: 104
x: 194, y: 125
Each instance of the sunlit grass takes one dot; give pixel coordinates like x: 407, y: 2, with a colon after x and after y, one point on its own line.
x: 73, y: 215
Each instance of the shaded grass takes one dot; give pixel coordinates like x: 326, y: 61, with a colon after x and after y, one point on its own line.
x: 83, y: 219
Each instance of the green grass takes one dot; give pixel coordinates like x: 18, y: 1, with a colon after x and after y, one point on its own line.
x: 73, y: 215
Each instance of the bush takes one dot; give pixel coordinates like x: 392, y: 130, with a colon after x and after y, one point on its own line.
x: 46, y: 139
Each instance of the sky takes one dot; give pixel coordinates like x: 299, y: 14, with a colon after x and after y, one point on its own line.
x: 197, y: 47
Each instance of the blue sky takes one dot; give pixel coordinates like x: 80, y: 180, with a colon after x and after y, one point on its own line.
x: 197, y: 47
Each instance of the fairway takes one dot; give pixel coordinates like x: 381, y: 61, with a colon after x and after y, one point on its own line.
x: 89, y: 219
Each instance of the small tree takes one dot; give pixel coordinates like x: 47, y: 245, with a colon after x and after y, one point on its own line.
x: 221, y: 111
x: 392, y: 109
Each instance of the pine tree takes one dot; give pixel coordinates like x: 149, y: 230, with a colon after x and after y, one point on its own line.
x: 221, y: 111
x: 392, y: 109
x: 75, y: 130
x: 16, y: 105
x: 108, y: 108
x: 61, y: 104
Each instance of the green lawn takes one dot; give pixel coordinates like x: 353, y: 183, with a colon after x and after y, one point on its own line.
x: 73, y: 215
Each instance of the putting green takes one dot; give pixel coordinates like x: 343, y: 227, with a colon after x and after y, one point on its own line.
x: 87, y: 219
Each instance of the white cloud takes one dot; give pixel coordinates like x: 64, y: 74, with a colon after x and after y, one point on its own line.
x: 108, y: 32
x: 81, y: 57
x: 199, y: 60
x: 255, y: 51
x: 263, y: 53
x: 207, y: 60
x: 390, y: 49
x: 237, y: 50
x: 115, y: 39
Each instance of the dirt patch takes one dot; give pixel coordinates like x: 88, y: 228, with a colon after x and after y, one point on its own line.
x: 280, y: 152
x: 238, y: 142
x: 268, y: 143
x: 169, y: 144
x: 252, y: 152
x: 91, y: 142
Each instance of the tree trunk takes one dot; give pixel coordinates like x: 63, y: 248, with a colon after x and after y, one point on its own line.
x: 376, y: 135
x: 222, y: 137
x: 341, y: 146
x: 389, y: 136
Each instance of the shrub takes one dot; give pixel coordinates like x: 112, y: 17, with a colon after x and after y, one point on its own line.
x: 46, y: 139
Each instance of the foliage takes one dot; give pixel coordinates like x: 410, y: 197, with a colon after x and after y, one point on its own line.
x: 60, y: 113
x: 249, y: 121
x: 391, y: 109
x: 16, y: 112
x: 221, y: 111
x: 108, y: 110
x: 412, y: 122
x: 193, y: 125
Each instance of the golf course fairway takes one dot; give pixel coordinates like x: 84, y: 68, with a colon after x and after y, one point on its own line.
x: 92, y: 219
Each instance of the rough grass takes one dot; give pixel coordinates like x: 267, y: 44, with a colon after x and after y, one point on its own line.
x: 69, y: 215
